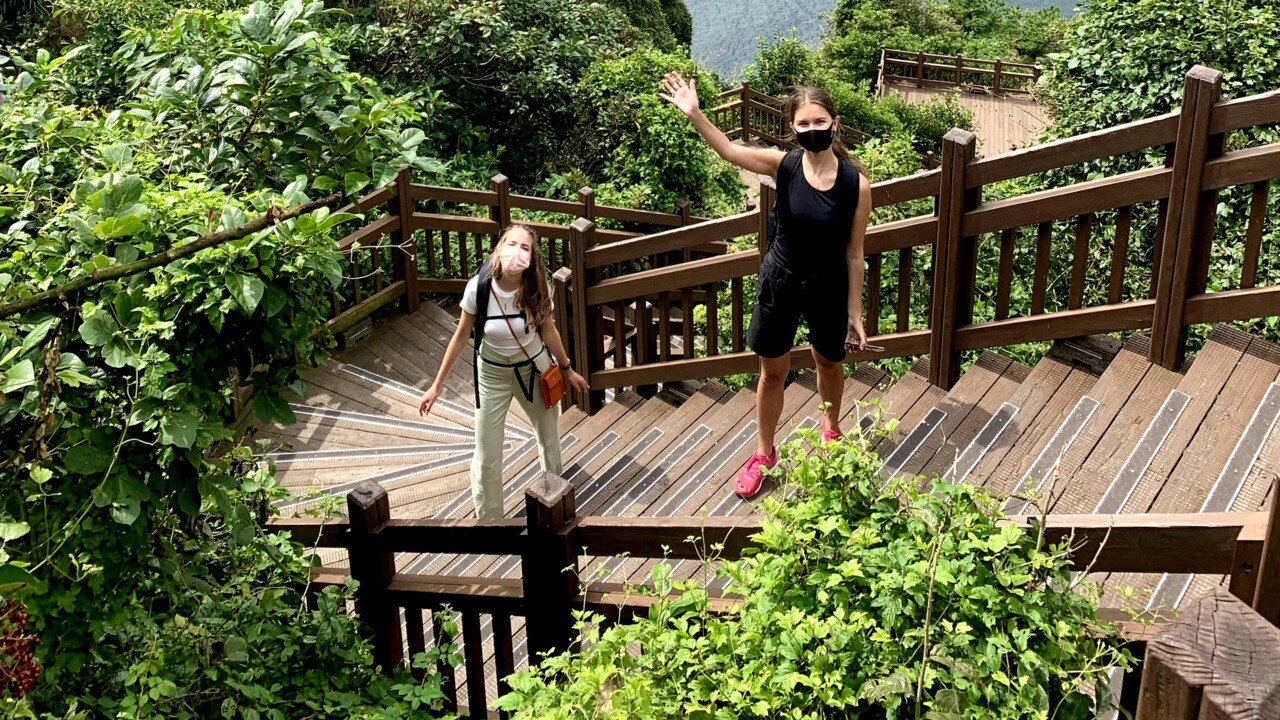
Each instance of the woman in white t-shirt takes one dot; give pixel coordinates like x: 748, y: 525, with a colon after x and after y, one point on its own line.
x: 518, y: 340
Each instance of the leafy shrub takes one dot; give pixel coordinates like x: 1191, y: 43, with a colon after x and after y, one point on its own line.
x: 859, y: 602
x: 645, y: 147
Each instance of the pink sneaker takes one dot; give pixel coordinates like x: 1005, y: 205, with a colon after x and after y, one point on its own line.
x: 829, y: 435
x: 751, y: 477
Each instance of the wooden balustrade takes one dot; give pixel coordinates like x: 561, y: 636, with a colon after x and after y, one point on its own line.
x: 552, y: 538
x: 930, y: 70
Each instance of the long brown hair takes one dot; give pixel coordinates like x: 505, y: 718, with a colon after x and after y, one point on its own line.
x: 802, y: 95
x: 533, y: 298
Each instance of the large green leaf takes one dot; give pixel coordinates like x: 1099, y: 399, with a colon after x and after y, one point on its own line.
x: 19, y: 376
x: 85, y: 459
x: 14, y: 578
x: 247, y: 290
x: 98, y: 328
x: 179, y: 428
x: 271, y: 408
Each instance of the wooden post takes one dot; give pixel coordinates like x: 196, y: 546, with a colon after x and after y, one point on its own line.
x: 1188, y: 229
x: 682, y: 207
x: 768, y: 195
x: 919, y: 69
x: 959, y: 68
x: 746, y: 113
x: 1266, y: 596
x: 587, y: 198
x: 996, y: 82
x: 954, y: 259
x: 560, y: 296
x: 550, y: 565
x: 1219, y: 660
x: 372, y: 567
x: 405, y: 265
x: 500, y: 211
x: 586, y: 342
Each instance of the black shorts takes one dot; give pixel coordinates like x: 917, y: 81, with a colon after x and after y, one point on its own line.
x: 783, y: 297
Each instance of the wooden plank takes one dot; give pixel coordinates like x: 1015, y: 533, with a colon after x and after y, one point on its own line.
x: 901, y: 234
x: 1253, y: 235
x: 973, y: 387
x: 737, y: 313
x: 1040, y: 277
x: 1261, y: 109
x: 1118, y: 140
x: 1219, y: 661
x: 373, y: 303
x: 1031, y: 398
x: 1229, y: 305
x: 473, y: 649
x: 672, y: 240
x: 1119, y: 254
x: 1063, y: 324
x: 676, y: 277
x: 1004, y: 276
x: 373, y: 231
x: 1079, y: 261
x: 450, y: 194
x: 453, y: 536
x: 453, y: 223
x: 896, y: 345
x: 905, y: 260
x: 905, y: 189
x: 1073, y: 200
x: 1205, y: 382
x: 1242, y: 167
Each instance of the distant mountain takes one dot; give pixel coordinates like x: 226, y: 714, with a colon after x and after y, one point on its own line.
x: 726, y: 32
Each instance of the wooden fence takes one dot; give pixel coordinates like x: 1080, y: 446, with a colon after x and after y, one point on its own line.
x: 430, y: 239
x: 551, y: 537
x: 923, y: 69
x: 1093, y: 231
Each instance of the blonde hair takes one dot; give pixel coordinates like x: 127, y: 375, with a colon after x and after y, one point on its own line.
x: 534, y: 296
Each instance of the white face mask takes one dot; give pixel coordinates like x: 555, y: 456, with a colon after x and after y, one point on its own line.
x: 514, y: 258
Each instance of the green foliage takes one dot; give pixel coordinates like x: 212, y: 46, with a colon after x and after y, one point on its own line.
x: 862, y: 601
x: 645, y: 146
x: 786, y: 63
x: 1127, y: 60
x: 663, y: 24
x: 508, y: 71
x: 142, y: 561
x: 987, y: 29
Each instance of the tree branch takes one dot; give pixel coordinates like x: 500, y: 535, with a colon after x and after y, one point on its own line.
x: 274, y: 216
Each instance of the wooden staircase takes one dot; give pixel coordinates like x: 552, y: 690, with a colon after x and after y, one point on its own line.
x: 1055, y: 437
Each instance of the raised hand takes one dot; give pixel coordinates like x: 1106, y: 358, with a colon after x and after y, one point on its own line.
x: 679, y: 93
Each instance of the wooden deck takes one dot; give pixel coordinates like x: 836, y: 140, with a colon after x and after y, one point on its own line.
x: 1002, y: 123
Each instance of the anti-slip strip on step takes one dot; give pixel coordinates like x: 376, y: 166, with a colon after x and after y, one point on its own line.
x: 359, y: 418
x: 980, y: 445
x: 1173, y: 586
x: 415, y: 393
x: 309, y: 456
x: 411, y: 471
x: 1047, y: 461
x: 910, y: 445
x: 1140, y: 458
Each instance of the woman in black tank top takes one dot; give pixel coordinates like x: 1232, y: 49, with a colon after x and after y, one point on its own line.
x: 814, y: 266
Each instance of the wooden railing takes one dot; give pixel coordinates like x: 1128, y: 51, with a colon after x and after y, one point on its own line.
x: 551, y: 538
x: 1070, y: 242
x: 923, y: 69
x: 431, y: 239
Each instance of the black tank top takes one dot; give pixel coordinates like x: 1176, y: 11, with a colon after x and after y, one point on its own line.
x: 814, y: 226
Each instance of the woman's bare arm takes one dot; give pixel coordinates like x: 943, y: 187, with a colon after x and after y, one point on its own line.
x: 762, y: 161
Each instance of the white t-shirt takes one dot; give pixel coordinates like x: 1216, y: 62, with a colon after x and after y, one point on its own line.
x: 496, y: 333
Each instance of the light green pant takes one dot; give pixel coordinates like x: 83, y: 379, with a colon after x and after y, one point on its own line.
x: 497, y: 386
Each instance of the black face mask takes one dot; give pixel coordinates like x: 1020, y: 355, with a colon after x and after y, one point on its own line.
x: 815, y: 140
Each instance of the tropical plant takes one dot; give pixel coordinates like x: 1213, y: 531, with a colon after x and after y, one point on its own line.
x: 909, y: 600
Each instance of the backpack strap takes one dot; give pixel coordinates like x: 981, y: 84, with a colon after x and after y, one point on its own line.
x: 484, y: 283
